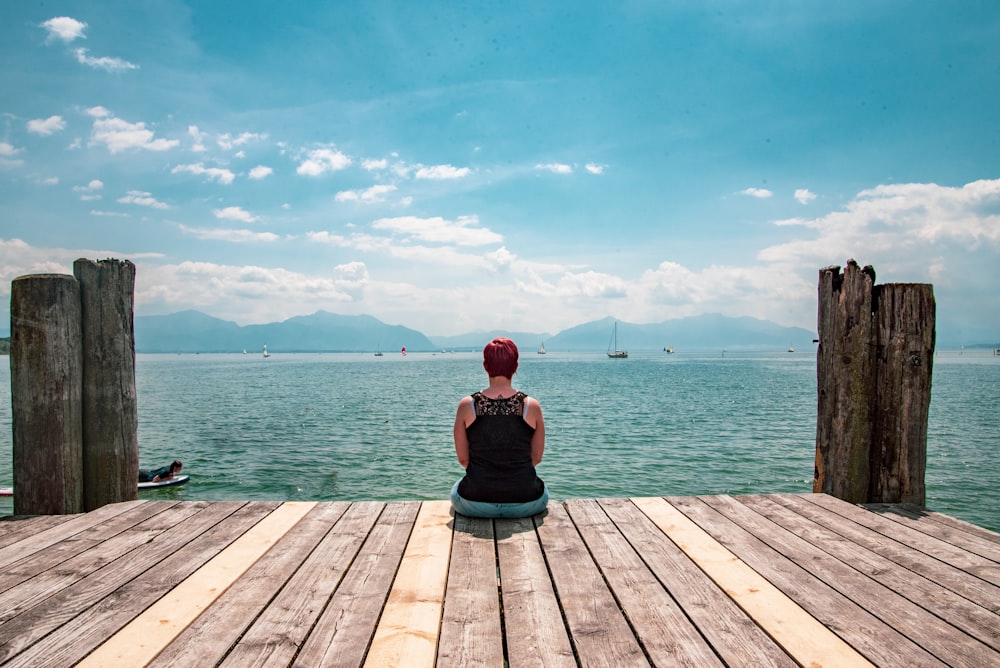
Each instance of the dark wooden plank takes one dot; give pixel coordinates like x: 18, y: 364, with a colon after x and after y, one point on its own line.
x: 727, y: 628
x: 598, y: 630
x: 470, y: 627
x: 967, y: 585
x: 278, y: 633
x: 940, y: 601
x: 666, y: 634
x: 866, y: 633
x: 60, y: 531
x: 222, y: 624
x: 984, y: 546
x: 345, y: 628
x: 535, y: 634
x: 984, y: 568
x: 944, y: 641
x: 49, y: 558
x: 13, y: 528
x: 76, y: 619
x: 954, y: 522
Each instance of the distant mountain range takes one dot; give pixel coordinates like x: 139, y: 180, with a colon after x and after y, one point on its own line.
x: 192, y: 331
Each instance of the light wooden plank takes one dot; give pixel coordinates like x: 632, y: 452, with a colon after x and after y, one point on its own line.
x: 804, y: 638
x: 141, y: 640
x: 470, y: 628
x: 407, y: 632
x: 535, y: 632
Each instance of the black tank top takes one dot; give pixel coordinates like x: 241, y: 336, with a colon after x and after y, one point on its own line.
x: 500, y: 468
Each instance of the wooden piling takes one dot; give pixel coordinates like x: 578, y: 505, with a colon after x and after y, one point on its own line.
x: 873, y: 367
x: 110, y: 409
x: 46, y: 384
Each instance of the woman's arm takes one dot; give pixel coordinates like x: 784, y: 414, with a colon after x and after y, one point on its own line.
x: 463, y: 418
x: 534, y: 418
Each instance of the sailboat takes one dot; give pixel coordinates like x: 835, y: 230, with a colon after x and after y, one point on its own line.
x: 619, y: 354
x: 266, y: 354
x: 541, y: 348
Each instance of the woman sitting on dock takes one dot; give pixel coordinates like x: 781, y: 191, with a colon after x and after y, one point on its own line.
x: 499, y: 439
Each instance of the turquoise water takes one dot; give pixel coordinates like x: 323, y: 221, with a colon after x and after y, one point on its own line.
x: 352, y: 426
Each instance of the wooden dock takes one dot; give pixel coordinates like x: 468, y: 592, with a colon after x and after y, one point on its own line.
x: 772, y: 580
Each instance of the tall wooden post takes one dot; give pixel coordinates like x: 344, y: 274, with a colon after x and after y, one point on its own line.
x: 46, y: 371
x: 873, y: 367
x: 904, y: 337
x: 110, y: 413
x: 845, y: 378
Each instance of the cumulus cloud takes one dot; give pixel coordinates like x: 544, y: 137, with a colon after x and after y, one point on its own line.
x: 228, y: 142
x: 199, y: 139
x: 219, y: 174
x: 594, y: 168
x: 119, y: 135
x: 232, y: 236
x: 89, y: 192
x: 372, y: 165
x: 371, y: 195
x: 260, y: 172
x: 235, y: 213
x: 46, y: 126
x: 759, y: 193
x: 322, y: 160
x: 103, y: 62
x: 804, y: 196
x: 442, y: 172
x: 7, y: 153
x: 141, y: 198
x: 461, y: 232
x: 555, y: 168
x: 64, y: 28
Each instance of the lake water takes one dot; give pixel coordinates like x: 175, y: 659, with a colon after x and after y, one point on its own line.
x: 352, y: 426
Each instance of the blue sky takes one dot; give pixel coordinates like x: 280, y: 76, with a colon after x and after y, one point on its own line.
x: 519, y: 165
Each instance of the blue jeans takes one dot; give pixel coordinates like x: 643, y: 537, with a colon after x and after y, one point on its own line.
x: 497, y: 510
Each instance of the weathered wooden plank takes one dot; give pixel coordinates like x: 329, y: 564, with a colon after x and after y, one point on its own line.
x: 76, y: 617
x: 13, y: 528
x: 737, y: 639
x: 970, y: 542
x: 944, y: 603
x: 344, y: 630
x: 967, y: 585
x: 276, y: 635
x: 61, y: 529
x: 101, y: 561
x: 759, y: 584
x: 147, y: 634
x: 470, y: 628
x: 666, y: 634
x: 925, y: 514
x: 39, y: 562
x: 535, y: 632
x: 598, y: 630
x: 411, y: 620
x: 982, y: 567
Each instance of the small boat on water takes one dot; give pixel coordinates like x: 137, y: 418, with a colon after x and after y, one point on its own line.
x: 266, y: 354
x: 613, y: 345
x: 541, y: 348
x: 669, y: 350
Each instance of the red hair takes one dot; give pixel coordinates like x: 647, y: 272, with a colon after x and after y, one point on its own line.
x: 500, y: 357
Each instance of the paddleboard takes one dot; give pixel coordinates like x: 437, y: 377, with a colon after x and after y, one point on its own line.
x: 6, y: 491
x: 176, y: 480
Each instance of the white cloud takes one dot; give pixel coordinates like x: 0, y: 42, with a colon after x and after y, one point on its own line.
x: 260, y: 172
x: 228, y: 142
x: 804, y: 196
x: 199, y: 139
x: 594, y: 168
x: 119, y: 135
x: 64, y: 28
x: 759, y: 193
x: 219, y: 174
x: 461, y: 232
x: 371, y: 195
x: 104, y: 62
x: 322, y: 160
x: 8, y: 150
x: 141, y: 198
x: 235, y: 213
x: 46, y: 126
x: 555, y: 168
x: 95, y: 184
x: 107, y: 214
x: 98, y: 112
x: 372, y: 165
x: 442, y: 172
x: 233, y: 236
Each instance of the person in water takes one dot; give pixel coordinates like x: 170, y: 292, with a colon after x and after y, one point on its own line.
x: 499, y: 440
x: 162, y: 473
